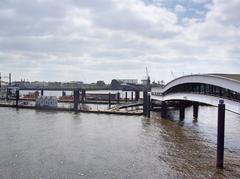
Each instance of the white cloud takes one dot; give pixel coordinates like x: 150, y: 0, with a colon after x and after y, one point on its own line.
x: 179, y: 8
x: 87, y: 40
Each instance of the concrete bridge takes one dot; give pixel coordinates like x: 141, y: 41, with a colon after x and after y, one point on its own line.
x: 205, y: 88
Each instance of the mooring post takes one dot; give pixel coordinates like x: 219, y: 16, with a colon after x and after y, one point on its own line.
x: 83, y: 95
x: 182, y: 112
x: 76, y: 99
x: 42, y: 92
x: 220, y: 134
x: 132, y: 96
x: 126, y: 97
x: 148, y: 105
x: 7, y: 94
x: 17, y: 97
x: 163, y: 110
x: 136, y: 95
x: 109, y: 100
x: 145, y: 103
x: 118, y: 97
x: 195, y: 110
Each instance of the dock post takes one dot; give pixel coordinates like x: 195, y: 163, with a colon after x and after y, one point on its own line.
x: 148, y: 105
x: 7, y: 94
x: 163, y: 110
x: 42, y: 92
x: 181, y: 112
x: 126, y: 97
x: 145, y: 95
x: 109, y: 100
x: 76, y: 99
x: 132, y: 96
x: 17, y: 97
x: 83, y: 95
x: 136, y: 95
x: 118, y: 97
x: 220, y: 134
x: 195, y: 111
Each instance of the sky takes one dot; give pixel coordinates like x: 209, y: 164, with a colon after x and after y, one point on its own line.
x: 90, y: 40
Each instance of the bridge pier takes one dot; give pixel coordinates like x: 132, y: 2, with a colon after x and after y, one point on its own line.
x: 182, y: 112
x: 63, y: 93
x: 76, y: 99
x: 163, y: 110
x: 42, y: 93
x: 220, y: 134
x: 126, y: 97
x: 195, y: 111
x: 132, y: 96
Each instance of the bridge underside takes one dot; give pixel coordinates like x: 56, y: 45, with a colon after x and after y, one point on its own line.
x: 233, y: 106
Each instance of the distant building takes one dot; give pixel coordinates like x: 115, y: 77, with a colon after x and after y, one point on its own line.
x: 21, y: 84
x: 130, y: 81
x: 72, y: 84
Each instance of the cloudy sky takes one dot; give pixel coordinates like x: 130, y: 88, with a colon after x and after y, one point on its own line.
x: 89, y: 40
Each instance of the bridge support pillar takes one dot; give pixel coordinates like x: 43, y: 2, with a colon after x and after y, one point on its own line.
x: 42, y: 92
x: 145, y: 101
x: 181, y: 112
x: 163, y: 110
x: 220, y: 134
x: 137, y: 95
x: 195, y: 111
x: 76, y: 99
x: 126, y: 99
x: 17, y: 97
x: 132, y: 96
x: 63, y: 93
x: 118, y: 97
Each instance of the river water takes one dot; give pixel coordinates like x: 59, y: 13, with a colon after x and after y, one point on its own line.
x: 41, y: 144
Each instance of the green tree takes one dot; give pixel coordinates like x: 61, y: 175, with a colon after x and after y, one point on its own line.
x: 101, y: 83
x: 115, y: 84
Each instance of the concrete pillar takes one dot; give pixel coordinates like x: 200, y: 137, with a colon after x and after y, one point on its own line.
x: 181, y: 112
x: 137, y: 95
x: 163, y: 110
x: 63, y: 93
x: 145, y: 103
x: 148, y: 105
x: 17, y: 97
x: 118, y: 97
x: 195, y: 110
x: 126, y: 97
x: 132, y: 96
x: 220, y: 134
x: 42, y: 93
x: 76, y: 99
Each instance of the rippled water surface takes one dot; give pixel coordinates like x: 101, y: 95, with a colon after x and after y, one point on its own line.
x: 40, y: 144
